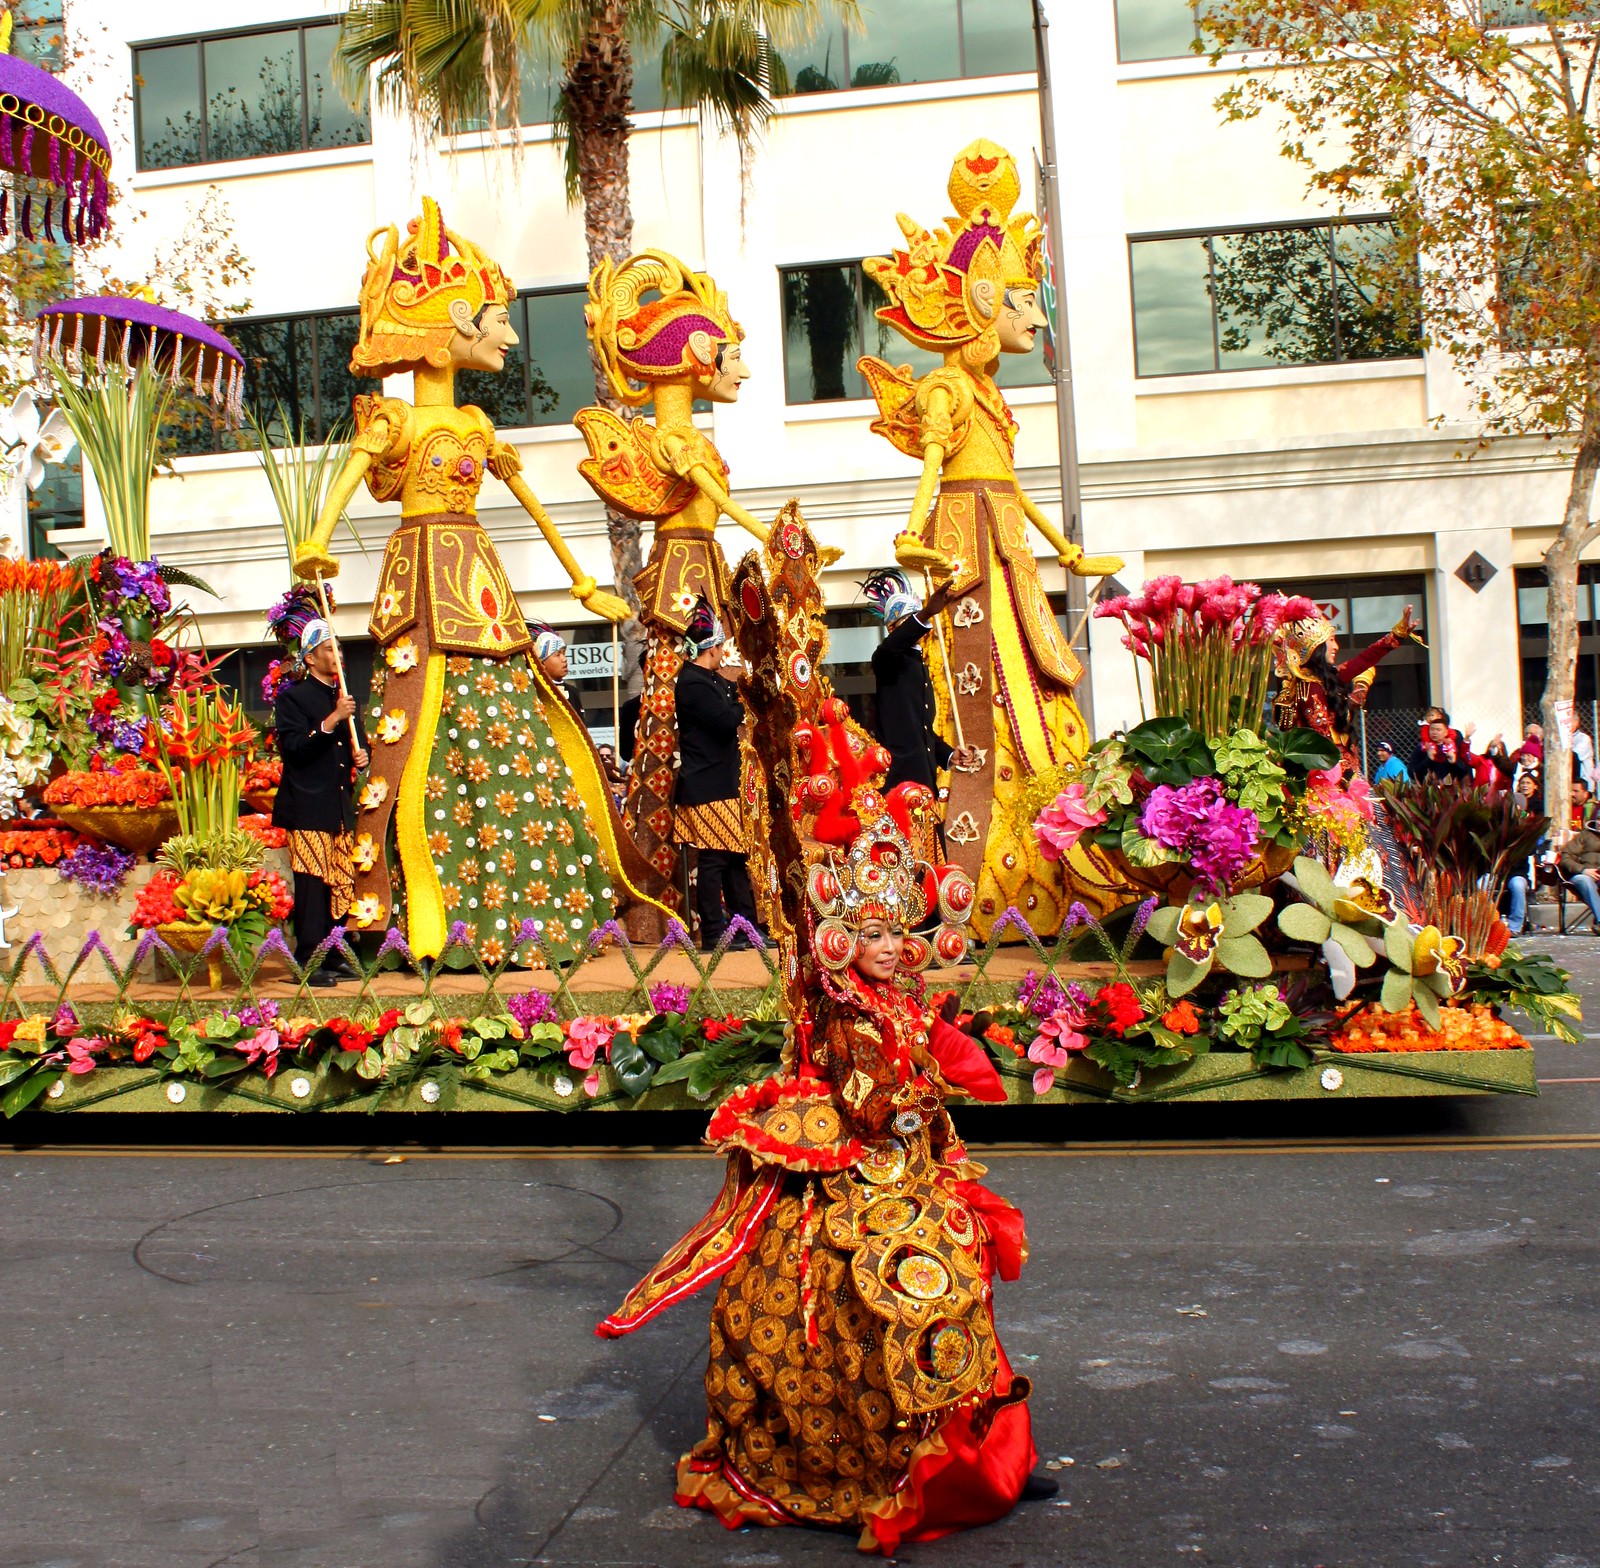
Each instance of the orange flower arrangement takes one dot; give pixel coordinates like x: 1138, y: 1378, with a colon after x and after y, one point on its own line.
x: 260, y: 827
x: 263, y: 775
x: 36, y: 845
x: 1471, y: 1028
x: 133, y: 787
x: 1182, y: 1019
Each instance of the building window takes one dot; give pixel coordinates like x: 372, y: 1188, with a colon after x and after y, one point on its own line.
x: 241, y: 95
x: 57, y: 503
x: 829, y: 322
x: 549, y: 375
x: 541, y: 85
x: 1295, y: 295
x: 917, y: 41
x: 40, y: 35
x: 1533, y: 643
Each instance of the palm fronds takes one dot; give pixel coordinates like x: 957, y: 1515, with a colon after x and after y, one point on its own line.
x: 117, y: 418
x: 299, y: 479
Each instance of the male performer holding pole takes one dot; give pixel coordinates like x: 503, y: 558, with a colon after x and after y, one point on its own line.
x: 322, y: 746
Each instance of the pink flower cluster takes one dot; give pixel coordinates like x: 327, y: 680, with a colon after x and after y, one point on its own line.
x: 1060, y: 1035
x: 1168, y: 609
x: 1062, y: 823
x: 1347, y: 801
x: 1216, y: 837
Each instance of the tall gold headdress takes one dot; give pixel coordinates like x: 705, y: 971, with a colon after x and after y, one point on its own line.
x: 1295, y: 641
x: 412, y: 293
x: 674, y: 334
x: 946, y: 289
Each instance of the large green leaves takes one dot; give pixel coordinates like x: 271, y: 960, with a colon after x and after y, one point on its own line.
x: 1170, y: 751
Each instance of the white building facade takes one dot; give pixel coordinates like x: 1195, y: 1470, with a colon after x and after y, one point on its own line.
x: 1236, y: 408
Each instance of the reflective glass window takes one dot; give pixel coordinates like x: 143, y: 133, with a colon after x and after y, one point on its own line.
x: 561, y: 373
x: 1172, y: 317
x: 821, y: 334
x: 906, y: 41
x: 254, y: 105
x: 1311, y: 294
x: 330, y: 121
x: 1154, y: 29
x: 1273, y: 298
x: 167, y: 91
x: 997, y: 37
x: 242, y: 95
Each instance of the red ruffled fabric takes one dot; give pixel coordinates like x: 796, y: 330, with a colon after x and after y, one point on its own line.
x: 737, y: 1123
x: 964, y: 1064
x: 957, y: 1479
x: 1007, y: 1250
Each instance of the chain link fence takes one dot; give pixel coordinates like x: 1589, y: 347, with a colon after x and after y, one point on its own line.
x: 1402, y: 728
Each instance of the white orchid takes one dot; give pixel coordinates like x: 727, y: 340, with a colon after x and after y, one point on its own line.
x: 30, y: 442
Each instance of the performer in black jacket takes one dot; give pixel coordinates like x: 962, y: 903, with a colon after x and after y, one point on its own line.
x: 316, y: 798
x: 905, y: 693
x: 706, y: 811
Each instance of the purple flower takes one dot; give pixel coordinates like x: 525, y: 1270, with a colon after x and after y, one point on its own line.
x: 1041, y: 994
x: 98, y: 868
x: 1170, y: 815
x: 532, y: 1007
x: 264, y: 1015
x: 669, y: 997
x: 65, y: 1021
x: 1221, y: 846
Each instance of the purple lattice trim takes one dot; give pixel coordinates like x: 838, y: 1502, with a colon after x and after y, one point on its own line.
x: 966, y: 247
x: 665, y: 350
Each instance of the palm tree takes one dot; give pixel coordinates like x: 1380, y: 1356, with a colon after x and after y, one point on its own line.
x: 458, y: 65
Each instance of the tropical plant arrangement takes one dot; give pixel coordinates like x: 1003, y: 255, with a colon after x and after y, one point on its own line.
x: 1207, y: 647
x: 121, y: 802
x: 1255, y: 845
x: 585, y: 1059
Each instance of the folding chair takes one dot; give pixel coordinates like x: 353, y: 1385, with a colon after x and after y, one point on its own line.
x: 1563, y: 886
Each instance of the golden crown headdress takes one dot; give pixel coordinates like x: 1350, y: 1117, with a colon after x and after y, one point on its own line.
x: 677, y: 333
x: 880, y: 877
x: 413, y: 294
x: 946, y: 289
x: 1295, y: 641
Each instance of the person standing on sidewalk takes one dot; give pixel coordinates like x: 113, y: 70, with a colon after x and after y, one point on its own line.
x: 706, y: 812
x: 316, y: 800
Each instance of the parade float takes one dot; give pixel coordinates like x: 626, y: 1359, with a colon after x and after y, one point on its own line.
x: 1207, y: 907
x: 1259, y: 953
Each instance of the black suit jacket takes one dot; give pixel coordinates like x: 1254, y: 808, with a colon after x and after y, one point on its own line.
x: 709, y: 716
x: 317, y: 794
x: 906, y: 708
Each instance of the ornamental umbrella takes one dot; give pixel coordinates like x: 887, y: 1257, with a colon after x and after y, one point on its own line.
x: 108, y: 329
x: 50, y: 136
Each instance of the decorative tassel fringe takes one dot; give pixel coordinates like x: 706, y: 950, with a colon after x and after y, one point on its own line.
x: 5, y: 228
x: 8, y: 147
x: 25, y: 157
x: 55, y: 160
x: 26, y: 220
x: 49, y: 231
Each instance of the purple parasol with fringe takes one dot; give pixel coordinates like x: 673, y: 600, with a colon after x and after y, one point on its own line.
x: 50, y: 136
x: 106, y: 328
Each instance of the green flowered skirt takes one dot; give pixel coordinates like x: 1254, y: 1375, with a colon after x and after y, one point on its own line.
x: 504, y: 820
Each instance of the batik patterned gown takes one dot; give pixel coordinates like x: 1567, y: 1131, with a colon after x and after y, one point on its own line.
x: 855, y: 1378
x: 485, y: 805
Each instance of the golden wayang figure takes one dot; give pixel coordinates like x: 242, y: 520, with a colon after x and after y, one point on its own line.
x: 664, y: 335
x: 486, y: 804
x: 855, y: 1379
x: 970, y: 292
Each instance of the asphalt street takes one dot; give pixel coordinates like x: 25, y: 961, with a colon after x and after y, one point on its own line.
x: 1351, y: 1336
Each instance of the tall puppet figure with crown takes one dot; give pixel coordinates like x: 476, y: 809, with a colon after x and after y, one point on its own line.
x: 485, y: 804
x: 970, y: 292
x: 680, y: 344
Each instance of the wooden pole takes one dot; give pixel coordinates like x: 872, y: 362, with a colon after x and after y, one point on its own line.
x: 944, y: 656
x: 616, y: 696
x: 338, y: 656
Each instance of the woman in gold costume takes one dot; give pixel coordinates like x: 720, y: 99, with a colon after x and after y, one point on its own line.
x: 484, y: 786
x: 679, y: 345
x: 970, y: 292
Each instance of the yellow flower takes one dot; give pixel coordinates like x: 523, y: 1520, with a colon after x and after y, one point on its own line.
x: 366, y: 911
x: 393, y: 725
x: 31, y: 1029
x: 373, y: 794
x: 1435, y: 953
x: 401, y: 656
x: 365, y: 854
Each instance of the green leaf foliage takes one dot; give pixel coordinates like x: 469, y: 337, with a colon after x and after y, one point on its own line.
x: 1303, y: 923
x: 1244, y: 955
x: 1244, y: 912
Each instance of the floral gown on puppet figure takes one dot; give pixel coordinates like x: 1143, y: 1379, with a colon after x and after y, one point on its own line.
x: 485, y: 804
x: 679, y: 345
x: 855, y: 1379
x: 971, y: 293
